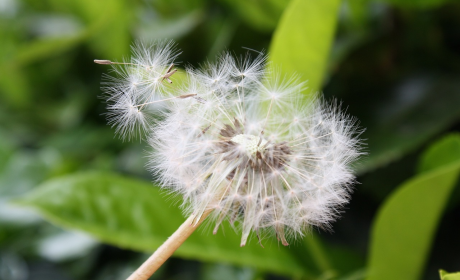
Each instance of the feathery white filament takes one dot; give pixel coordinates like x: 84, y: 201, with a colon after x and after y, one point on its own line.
x: 240, y: 141
x: 248, y: 147
x: 137, y: 85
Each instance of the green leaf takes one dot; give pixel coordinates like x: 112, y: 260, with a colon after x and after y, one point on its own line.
x: 262, y: 15
x: 108, y: 24
x: 417, y: 3
x: 442, y: 152
x: 227, y: 272
x: 449, y: 276
x: 395, y: 125
x: 303, y: 38
x: 158, y: 28
x: 44, y: 48
x: 14, y: 87
x: 134, y: 214
x: 406, y: 223
x: 173, y: 8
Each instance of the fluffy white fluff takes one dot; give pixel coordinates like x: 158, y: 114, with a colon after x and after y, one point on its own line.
x: 246, y: 145
x: 134, y: 90
x: 237, y: 140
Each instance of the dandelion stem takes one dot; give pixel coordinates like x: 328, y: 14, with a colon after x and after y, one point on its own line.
x: 151, y: 265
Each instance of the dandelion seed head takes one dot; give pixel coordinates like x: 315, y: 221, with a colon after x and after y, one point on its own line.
x: 238, y: 140
x: 262, y: 158
x: 249, y: 143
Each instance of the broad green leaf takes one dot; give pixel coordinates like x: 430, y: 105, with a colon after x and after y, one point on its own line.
x: 134, y: 214
x: 406, y: 223
x: 449, y: 276
x: 303, y: 38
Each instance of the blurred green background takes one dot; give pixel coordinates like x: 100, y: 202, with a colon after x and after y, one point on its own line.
x: 394, y: 64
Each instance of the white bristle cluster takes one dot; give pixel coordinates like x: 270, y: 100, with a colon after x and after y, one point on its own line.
x: 137, y: 85
x: 244, y: 143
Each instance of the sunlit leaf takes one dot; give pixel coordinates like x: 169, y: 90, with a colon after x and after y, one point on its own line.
x: 303, y: 38
x: 449, y: 276
x: 405, y: 225
x: 443, y: 152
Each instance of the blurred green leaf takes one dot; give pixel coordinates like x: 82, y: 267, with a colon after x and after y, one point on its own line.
x: 14, y: 87
x: 417, y: 3
x: 224, y: 36
x: 260, y: 14
x: 303, y: 38
x: 345, y: 261
x: 133, y: 214
x: 406, y: 223
x: 43, y: 48
x: 399, y: 122
x: 449, y: 276
x: 176, y: 7
x: 443, y: 152
x: 105, y: 27
x: 111, y: 26
x: 358, y: 11
x: 227, y: 272
x: 355, y: 275
x: 154, y: 28
x: 7, y: 148
x: 107, y: 24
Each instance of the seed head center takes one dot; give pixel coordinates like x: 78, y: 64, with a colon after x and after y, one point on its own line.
x: 250, y: 143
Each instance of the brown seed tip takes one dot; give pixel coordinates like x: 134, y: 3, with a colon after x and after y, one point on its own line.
x: 183, y: 96
x: 102, y: 61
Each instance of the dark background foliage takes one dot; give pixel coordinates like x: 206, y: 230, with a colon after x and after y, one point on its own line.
x: 395, y: 65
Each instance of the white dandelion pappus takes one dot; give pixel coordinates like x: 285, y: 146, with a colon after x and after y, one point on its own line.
x: 137, y: 86
x: 249, y: 148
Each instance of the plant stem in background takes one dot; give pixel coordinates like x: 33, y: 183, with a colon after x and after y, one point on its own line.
x: 165, y: 251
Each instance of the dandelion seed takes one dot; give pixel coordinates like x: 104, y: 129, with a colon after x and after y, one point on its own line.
x: 136, y: 88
